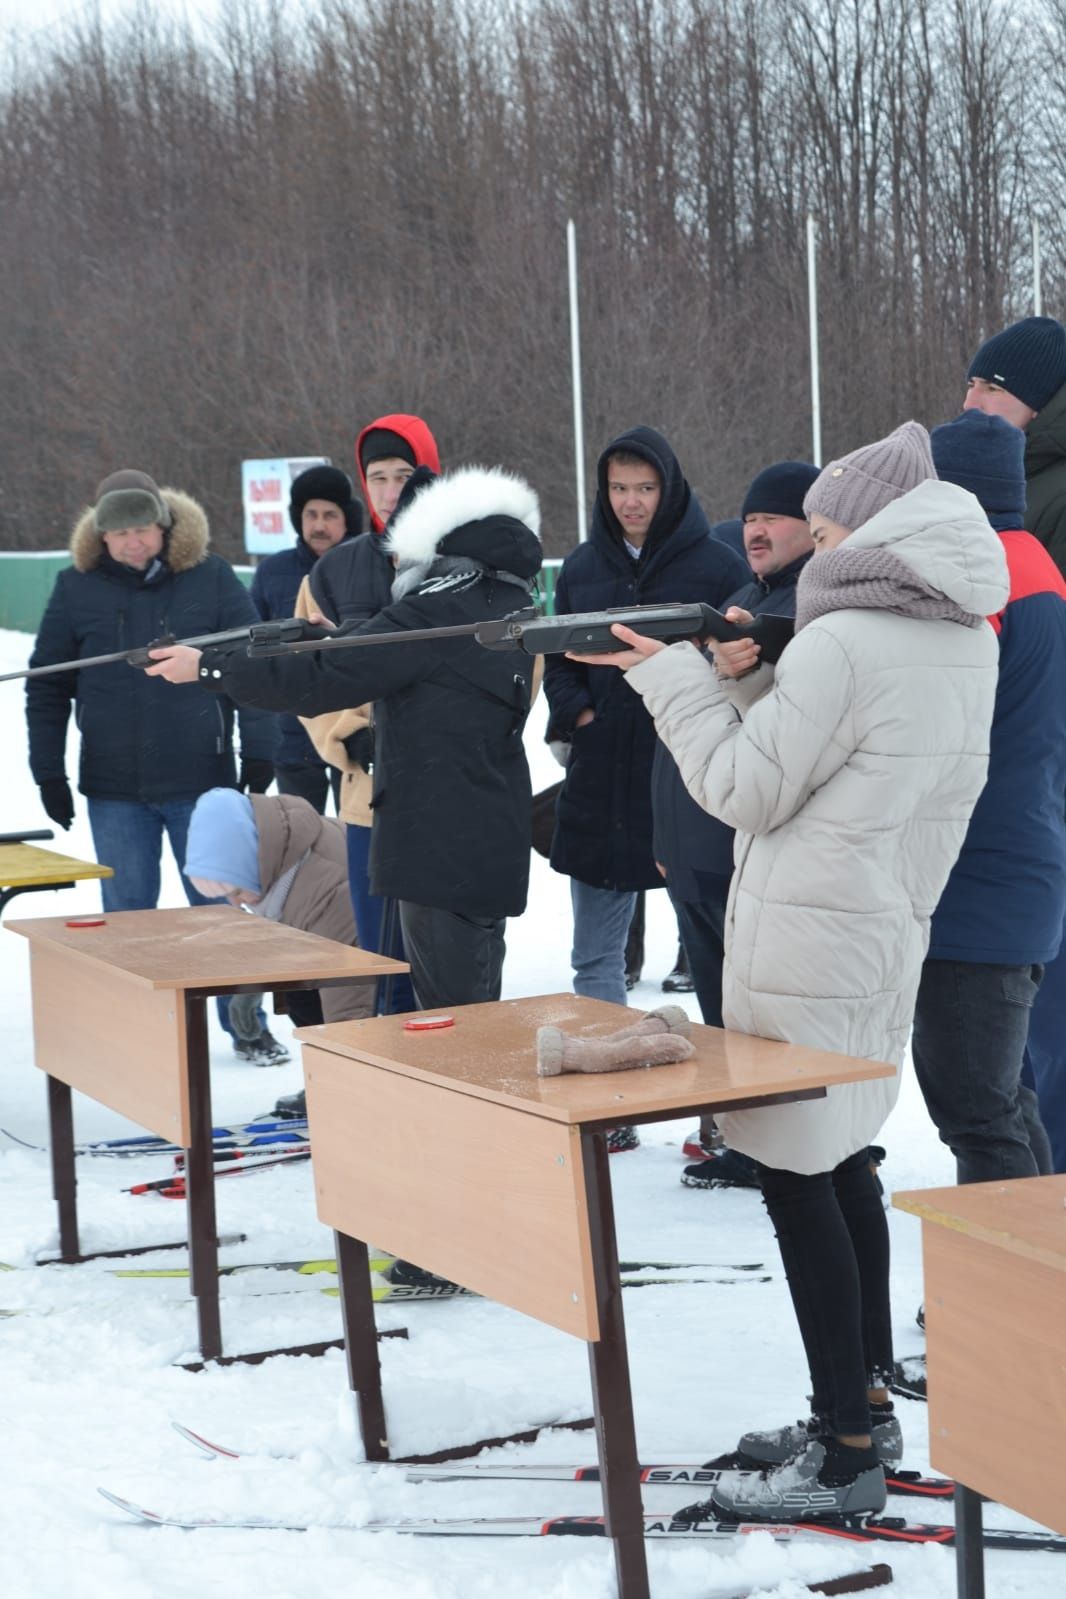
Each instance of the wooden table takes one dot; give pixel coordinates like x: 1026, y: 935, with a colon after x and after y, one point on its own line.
x: 119, y: 1013
x: 24, y: 869
x: 512, y: 1194
x: 995, y: 1326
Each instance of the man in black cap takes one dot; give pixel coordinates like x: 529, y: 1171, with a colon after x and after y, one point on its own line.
x: 324, y: 514
x: 694, y: 850
x: 1020, y: 375
x: 777, y: 537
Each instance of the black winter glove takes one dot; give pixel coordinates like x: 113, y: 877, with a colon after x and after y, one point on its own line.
x: 256, y: 775
x: 359, y: 747
x: 58, y: 800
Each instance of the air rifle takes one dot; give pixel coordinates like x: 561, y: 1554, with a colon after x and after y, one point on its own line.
x: 583, y: 633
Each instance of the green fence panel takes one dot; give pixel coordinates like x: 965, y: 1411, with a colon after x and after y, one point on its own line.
x: 548, y: 574
x: 26, y: 583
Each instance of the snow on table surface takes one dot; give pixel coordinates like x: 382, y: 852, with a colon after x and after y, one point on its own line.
x: 89, y: 1388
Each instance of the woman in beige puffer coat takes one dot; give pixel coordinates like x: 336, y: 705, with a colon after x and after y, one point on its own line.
x: 850, y: 777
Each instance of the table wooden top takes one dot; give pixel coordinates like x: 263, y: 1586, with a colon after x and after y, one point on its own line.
x: 25, y: 866
x: 204, y: 946
x: 1026, y: 1217
x: 491, y: 1053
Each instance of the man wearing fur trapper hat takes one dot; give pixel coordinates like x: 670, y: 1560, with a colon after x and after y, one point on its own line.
x: 451, y: 785
x: 141, y: 569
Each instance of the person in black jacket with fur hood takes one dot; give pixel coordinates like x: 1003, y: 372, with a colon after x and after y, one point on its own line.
x: 451, y: 784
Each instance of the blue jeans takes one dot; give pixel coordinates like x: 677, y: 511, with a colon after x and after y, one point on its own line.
x: 368, y: 909
x: 970, y: 1028
x: 601, y: 923
x: 1045, y: 1056
x: 128, y: 837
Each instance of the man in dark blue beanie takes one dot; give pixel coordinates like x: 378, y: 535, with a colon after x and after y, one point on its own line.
x: 999, y: 920
x: 324, y: 512
x: 1020, y: 375
x: 985, y: 454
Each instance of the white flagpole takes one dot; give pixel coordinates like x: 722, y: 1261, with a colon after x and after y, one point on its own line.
x: 575, y: 375
x: 812, y: 314
x: 1038, y: 299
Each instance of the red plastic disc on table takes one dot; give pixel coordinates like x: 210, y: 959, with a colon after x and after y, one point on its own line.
x: 87, y: 921
x: 426, y: 1024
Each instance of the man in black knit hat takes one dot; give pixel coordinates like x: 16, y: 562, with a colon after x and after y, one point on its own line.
x: 1020, y: 375
x: 693, y: 849
x: 324, y: 514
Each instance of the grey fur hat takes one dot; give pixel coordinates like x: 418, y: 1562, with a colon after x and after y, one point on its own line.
x: 129, y: 499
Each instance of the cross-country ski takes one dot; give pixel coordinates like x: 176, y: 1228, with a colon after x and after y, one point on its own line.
x: 872, y: 1529
x: 685, y: 1475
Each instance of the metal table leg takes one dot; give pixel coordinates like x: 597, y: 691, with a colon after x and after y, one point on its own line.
x: 361, y: 1343
x: 612, y: 1396
x: 969, y: 1543
x: 200, y: 1180
x: 64, y: 1178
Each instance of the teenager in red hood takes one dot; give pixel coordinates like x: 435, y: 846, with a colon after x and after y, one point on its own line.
x: 386, y: 453
x: 354, y: 581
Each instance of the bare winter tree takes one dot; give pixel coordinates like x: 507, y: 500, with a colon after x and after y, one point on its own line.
x: 252, y: 241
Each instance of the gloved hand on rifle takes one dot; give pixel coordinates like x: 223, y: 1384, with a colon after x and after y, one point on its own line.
x: 359, y: 748
x: 58, y: 801
x: 256, y: 775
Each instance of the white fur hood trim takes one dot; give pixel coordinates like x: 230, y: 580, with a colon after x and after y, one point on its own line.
x: 459, y: 497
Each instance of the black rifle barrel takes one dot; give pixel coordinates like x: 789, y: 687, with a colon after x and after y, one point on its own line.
x: 583, y: 633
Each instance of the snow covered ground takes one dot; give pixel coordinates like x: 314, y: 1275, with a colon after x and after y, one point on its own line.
x: 89, y: 1386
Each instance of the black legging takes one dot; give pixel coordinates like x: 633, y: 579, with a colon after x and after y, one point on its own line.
x: 833, y: 1236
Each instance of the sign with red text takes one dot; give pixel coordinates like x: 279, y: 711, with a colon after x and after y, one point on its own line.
x: 265, y: 489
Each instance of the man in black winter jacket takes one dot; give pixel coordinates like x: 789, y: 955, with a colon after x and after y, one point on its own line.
x: 141, y: 569
x: 650, y: 543
x: 694, y: 851
x: 451, y: 784
x: 325, y: 515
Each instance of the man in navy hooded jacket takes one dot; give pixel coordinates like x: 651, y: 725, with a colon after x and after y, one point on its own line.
x: 650, y: 544
x: 999, y: 920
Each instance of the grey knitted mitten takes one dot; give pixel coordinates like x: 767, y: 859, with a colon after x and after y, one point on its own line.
x: 657, y: 1039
